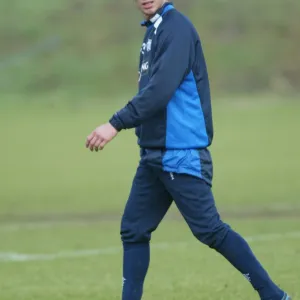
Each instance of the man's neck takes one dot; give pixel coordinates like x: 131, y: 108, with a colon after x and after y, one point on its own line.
x: 148, y: 18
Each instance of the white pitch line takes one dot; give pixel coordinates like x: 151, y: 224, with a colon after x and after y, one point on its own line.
x: 43, y: 225
x: 19, y: 257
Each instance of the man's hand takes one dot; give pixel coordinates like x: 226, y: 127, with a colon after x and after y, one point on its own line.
x: 100, y: 137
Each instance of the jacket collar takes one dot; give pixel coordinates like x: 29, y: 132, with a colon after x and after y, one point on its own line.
x: 165, y: 8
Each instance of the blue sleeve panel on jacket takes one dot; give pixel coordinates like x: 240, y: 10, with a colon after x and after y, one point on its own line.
x: 172, y: 63
x: 186, y: 128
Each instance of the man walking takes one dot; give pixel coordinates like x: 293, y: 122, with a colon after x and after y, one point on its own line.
x: 173, y: 120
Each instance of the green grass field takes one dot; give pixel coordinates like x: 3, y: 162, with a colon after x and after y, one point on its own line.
x: 60, y: 205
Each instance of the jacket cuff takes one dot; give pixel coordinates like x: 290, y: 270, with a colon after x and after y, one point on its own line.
x: 116, y: 122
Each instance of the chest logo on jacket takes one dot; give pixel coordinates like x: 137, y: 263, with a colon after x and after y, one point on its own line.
x: 149, y: 45
x: 146, y: 47
x: 145, y: 66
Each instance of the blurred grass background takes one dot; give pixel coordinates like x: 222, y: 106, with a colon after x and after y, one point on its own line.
x: 82, y: 47
x: 45, y: 166
x: 66, y: 66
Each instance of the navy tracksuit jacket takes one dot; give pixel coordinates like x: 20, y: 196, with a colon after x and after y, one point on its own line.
x: 173, y: 120
x: 172, y: 110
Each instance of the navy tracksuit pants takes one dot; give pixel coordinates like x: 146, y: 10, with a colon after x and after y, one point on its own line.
x: 152, y: 193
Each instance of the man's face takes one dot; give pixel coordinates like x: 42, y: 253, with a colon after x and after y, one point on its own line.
x: 150, y: 7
